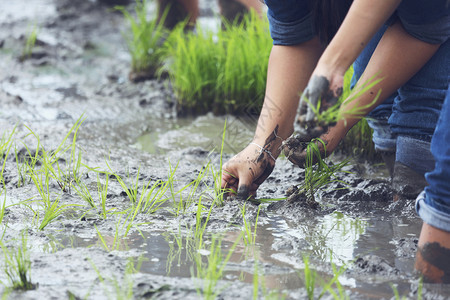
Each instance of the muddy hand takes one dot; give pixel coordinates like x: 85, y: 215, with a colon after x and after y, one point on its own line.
x: 318, y: 89
x: 245, y: 172
x: 295, y: 147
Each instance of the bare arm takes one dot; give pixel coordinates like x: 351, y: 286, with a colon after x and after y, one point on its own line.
x: 396, y: 59
x: 363, y: 20
x: 289, y: 70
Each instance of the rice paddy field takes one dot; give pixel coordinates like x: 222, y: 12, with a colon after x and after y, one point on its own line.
x: 109, y: 188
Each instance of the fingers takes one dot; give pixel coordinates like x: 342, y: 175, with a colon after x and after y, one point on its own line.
x: 244, y: 189
x: 229, y: 181
x: 303, y: 106
x: 315, y: 90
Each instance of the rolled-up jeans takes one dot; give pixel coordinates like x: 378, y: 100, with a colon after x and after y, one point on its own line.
x: 404, y: 123
x: 433, y: 205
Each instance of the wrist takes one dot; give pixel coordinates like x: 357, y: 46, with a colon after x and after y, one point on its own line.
x: 336, y: 63
x: 264, y: 151
x: 272, y: 141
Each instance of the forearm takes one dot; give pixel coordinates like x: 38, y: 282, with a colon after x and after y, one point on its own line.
x: 363, y: 20
x: 396, y: 59
x: 288, y: 73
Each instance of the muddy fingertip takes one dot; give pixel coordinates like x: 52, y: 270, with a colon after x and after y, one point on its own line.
x: 243, y: 192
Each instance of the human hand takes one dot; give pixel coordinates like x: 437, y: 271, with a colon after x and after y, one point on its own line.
x: 295, y: 147
x: 326, y: 89
x: 247, y: 170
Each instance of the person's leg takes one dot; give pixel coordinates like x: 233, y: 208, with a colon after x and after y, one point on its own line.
x: 415, y: 113
x: 433, y: 206
x: 178, y: 11
x: 383, y: 138
x: 234, y: 10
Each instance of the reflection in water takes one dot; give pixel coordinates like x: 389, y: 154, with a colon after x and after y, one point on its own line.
x: 277, y: 254
x: 204, y: 132
x: 329, y: 237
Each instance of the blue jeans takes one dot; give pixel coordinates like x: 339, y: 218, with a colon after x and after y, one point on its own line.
x: 404, y: 123
x: 291, y: 21
x: 433, y: 206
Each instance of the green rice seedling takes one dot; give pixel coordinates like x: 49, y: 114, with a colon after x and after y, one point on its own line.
x: 27, y: 164
x: 255, y: 280
x: 328, y: 286
x: 18, y: 265
x: 121, y: 290
x: 243, y: 74
x: 334, y: 114
x: 52, y: 208
x: 116, y: 240
x: 132, y: 190
x: 259, y: 285
x: 201, y: 223
x: 54, y: 245
x: 183, y: 204
x: 41, y: 181
x: 52, y: 211
x: 176, y: 195
x: 5, y: 148
x: 5, y: 294
x: 147, y: 199
x: 144, y: 40
x: 2, y: 212
x: 22, y: 170
x: 102, y: 190
x: 192, y: 69
x: 220, y: 72
x: 358, y: 141
x: 49, y: 159
x: 396, y: 293
x: 29, y: 44
x: 249, y: 235
x: 213, y: 271
x: 317, y: 177
x: 192, y: 196
x: 420, y: 289
x: 83, y: 191
x: 174, y: 254
x: 219, y: 193
x: 179, y: 241
x: 136, y: 209
x: 309, y: 278
x: 155, y: 197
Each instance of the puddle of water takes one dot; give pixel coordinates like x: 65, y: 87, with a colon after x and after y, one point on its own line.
x: 205, y: 132
x: 335, y: 237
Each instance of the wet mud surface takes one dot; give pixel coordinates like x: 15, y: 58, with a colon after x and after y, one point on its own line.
x: 80, y: 66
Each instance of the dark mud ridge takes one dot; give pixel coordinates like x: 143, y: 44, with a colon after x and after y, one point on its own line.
x: 125, y: 249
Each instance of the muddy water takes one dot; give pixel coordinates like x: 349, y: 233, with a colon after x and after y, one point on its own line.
x: 80, y: 67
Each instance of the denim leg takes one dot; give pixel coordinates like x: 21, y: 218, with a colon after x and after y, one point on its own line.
x: 383, y: 138
x: 418, y: 104
x: 433, y: 206
x: 416, y: 111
